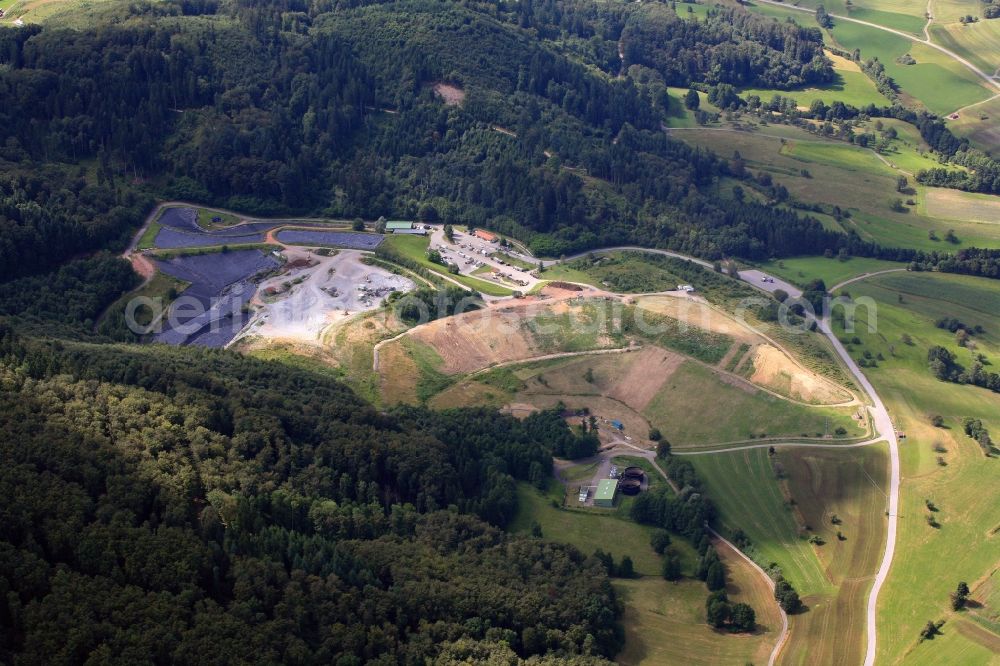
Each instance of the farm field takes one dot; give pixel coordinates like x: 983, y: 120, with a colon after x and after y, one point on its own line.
x: 958, y: 205
x: 780, y: 514
x: 980, y: 125
x: 976, y: 42
x: 664, y: 622
x: 938, y: 81
x: 940, y: 465
x: 852, y: 87
x: 850, y: 177
x: 802, y: 270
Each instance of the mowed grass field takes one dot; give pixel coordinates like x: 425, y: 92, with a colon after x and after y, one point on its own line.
x: 851, y: 87
x: 979, y: 42
x: 779, y: 514
x: 801, y: 270
x: 664, y: 622
x: 963, y: 486
x: 735, y: 413
x: 853, y: 178
x: 938, y: 81
x: 980, y: 124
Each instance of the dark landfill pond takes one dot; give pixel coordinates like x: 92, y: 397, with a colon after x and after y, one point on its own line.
x: 210, y: 311
x: 346, y: 239
x: 179, y: 229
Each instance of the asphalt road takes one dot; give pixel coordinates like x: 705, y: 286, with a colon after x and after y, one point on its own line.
x: 880, y: 417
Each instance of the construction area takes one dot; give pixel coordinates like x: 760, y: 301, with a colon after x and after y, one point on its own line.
x: 318, y: 289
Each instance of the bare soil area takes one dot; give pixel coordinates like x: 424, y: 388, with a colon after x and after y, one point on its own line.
x: 647, y: 371
x: 775, y: 370
x: 317, y: 291
x: 451, y: 95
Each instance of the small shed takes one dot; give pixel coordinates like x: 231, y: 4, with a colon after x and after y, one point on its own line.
x: 398, y: 226
x: 486, y: 236
x: 606, y: 491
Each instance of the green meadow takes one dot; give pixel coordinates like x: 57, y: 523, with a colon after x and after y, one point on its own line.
x: 939, y: 465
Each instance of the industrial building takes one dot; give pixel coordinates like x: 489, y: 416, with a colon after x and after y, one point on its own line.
x: 607, y: 489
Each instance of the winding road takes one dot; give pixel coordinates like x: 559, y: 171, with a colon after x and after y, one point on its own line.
x: 927, y: 42
x: 880, y: 415
x: 881, y: 420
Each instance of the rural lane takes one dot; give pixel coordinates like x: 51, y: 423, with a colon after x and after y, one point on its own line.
x: 864, y: 276
x: 927, y: 42
x: 783, y: 636
x: 884, y: 425
x: 880, y: 415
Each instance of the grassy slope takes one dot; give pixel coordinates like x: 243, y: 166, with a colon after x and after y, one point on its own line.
x: 415, y: 249
x: 980, y: 125
x: 664, y: 622
x: 941, y: 83
x: 832, y: 578
x: 930, y: 562
x: 681, y: 413
x: 801, y: 270
x: 854, y: 179
x: 851, y: 87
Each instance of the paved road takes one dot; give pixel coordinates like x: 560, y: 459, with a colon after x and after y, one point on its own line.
x: 883, y: 425
x: 991, y: 82
x: 880, y: 415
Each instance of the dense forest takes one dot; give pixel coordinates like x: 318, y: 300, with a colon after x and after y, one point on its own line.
x: 338, y: 116
x: 181, y: 504
x: 731, y: 46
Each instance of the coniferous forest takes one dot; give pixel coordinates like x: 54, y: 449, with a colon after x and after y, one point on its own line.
x: 328, y: 108
x: 182, y: 505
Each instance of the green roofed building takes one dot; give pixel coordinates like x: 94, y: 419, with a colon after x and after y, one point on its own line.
x: 398, y: 226
x: 606, y: 491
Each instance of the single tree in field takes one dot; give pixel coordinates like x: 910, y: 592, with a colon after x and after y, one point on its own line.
x: 625, y: 567
x: 691, y: 100
x: 716, y: 577
x: 960, y: 596
x: 671, y: 567
x: 659, y: 540
x: 449, y: 232
x: 743, y: 617
x: 717, y: 611
x: 663, y: 449
x: 655, y: 435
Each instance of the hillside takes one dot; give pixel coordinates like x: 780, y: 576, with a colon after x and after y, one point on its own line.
x: 489, y: 332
